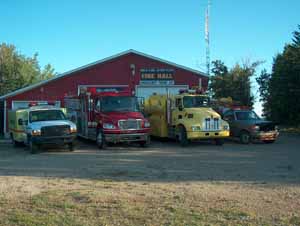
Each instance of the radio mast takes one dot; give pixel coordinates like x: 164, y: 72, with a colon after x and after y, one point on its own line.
x: 207, y: 38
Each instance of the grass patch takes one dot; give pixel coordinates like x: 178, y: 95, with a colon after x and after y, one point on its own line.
x: 292, y: 130
x: 35, y: 219
x: 119, y: 205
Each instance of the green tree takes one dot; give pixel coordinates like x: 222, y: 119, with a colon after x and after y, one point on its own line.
x: 284, y: 85
x: 264, y: 81
x: 17, y: 70
x: 234, y: 83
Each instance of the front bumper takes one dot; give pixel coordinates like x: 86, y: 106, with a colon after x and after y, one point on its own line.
x: 58, y: 140
x: 207, y: 135
x: 130, y: 137
x: 270, y: 135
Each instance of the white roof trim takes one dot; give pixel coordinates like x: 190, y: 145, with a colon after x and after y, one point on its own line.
x: 27, y: 88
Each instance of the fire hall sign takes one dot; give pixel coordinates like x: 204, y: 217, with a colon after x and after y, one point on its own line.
x: 157, y: 74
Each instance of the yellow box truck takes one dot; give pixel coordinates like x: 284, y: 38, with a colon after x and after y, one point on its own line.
x: 185, y: 117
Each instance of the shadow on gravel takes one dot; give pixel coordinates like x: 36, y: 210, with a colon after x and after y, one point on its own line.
x: 161, y: 162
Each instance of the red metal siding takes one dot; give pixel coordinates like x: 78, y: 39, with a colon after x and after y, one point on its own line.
x: 114, y: 72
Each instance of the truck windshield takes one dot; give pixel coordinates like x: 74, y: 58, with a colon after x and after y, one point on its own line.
x: 46, y: 115
x: 196, y: 101
x: 246, y: 115
x: 109, y: 104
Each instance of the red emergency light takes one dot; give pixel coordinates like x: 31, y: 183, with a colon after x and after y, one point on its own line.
x: 32, y: 104
x: 109, y: 91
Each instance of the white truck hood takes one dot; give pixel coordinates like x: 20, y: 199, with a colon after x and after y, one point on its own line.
x: 40, y: 124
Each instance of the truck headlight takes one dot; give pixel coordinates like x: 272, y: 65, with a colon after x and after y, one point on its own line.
x: 108, y: 126
x: 36, y: 132
x: 147, y: 124
x: 255, y: 127
x: 196, y: 128
x: 73, y: 130
x: 226, y: 127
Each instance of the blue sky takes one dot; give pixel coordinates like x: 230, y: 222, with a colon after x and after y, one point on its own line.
x: 69, y: 34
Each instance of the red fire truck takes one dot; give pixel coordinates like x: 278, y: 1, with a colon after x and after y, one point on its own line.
x: 108, y: 115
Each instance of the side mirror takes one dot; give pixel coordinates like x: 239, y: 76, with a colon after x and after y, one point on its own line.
x: 228, y: 119
x: 20, y: 122
x: 180, y: 108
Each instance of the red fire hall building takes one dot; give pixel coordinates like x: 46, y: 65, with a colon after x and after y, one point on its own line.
x: 142, y: 73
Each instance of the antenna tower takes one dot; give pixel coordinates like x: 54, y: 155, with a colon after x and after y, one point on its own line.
x: 207, y: 38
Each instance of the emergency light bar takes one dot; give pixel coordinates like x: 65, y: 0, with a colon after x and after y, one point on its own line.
x: 36, y: 103
x: 191, y: 91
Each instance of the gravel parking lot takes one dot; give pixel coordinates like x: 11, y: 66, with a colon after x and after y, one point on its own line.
x: 162, y: 161
x: 163, y: 184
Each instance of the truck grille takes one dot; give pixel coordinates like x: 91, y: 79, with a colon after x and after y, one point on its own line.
x: 131, y: 124
x: 266, y: 127
x: 50, y: 131
x: 211, y: 124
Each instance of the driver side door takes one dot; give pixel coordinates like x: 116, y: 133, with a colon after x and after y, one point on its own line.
x: 178, y: 112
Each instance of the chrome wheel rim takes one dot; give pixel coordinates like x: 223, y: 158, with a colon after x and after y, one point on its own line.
x: 245, y: 138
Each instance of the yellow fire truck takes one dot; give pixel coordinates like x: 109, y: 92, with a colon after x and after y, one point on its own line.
x: 185, y: 117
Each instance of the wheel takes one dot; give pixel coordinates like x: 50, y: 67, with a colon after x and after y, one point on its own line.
x: 145, y: 143
x: 219, y: 142
x: 71, y: 146
x: 245, y: 137
x: 269, y: 141
x: 100, y: 140
x: 182, y: 137
x: 33, y: 148
x: 14, y: 142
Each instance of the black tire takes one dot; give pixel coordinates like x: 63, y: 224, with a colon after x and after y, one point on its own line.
x: 269, y: 141
x: 245, y: 137
x: 219, y: 142
x: 100, y: 140
x: 71, y: 147
x: 14, y: 142
x: 182, y: 137
x: 33, y: 148
x: 145, y: 143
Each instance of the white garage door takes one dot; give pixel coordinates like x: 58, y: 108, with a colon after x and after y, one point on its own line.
x: 146, y: 91
x: 24, y: 104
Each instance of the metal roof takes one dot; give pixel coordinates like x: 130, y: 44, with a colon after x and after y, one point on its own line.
x: 69, y: 73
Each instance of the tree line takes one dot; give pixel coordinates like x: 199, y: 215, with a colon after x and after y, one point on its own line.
x: 18, y: 71
x: 279, y: 91
x: 234, y: 83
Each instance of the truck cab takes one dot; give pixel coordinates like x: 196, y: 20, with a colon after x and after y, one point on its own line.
x: 109, y: 115
x: 248, y: 126
x: 39, y: 125
x: 186, y: 116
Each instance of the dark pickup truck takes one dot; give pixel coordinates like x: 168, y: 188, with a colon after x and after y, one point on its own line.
x: 247, y: 126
